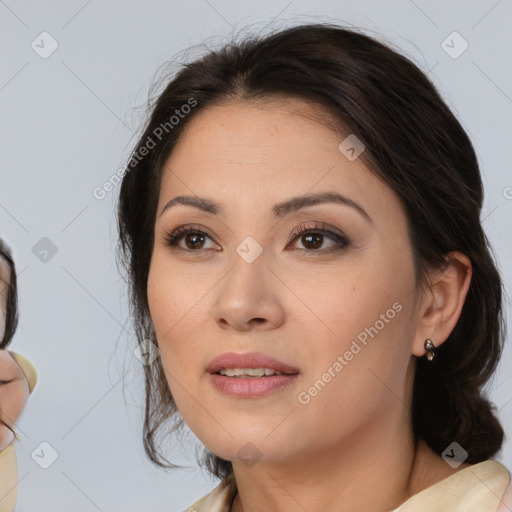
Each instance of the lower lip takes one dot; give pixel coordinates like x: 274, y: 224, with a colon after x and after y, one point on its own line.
x: 251, y: 386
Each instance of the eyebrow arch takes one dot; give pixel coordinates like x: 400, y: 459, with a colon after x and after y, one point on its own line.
x: 279, y: 210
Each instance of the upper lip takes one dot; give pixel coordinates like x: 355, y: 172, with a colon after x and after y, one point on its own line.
x: 249, y: 360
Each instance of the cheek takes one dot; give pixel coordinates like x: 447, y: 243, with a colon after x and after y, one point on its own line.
x: 174, y: 294
x: 351, y: 300
x: 2, y: 321
x: 13, y: 397
x: 366, y: 345
x: 178, y: 316
x: 165, y: 298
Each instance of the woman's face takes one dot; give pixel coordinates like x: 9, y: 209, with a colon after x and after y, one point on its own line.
x: 339, y: 312
x: 14, y: 388
x: 5, y: 274
x: 14, y: 393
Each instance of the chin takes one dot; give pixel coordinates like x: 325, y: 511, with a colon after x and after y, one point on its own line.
x: 249, y: 449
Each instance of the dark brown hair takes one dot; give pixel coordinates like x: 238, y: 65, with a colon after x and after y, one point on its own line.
x: 11, y: 312
x: 413, y: 141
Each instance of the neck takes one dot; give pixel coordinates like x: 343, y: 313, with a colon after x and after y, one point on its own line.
x: 375, y: 469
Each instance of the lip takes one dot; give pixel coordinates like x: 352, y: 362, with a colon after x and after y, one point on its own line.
x: 250, y: 360
x: 251, y: 386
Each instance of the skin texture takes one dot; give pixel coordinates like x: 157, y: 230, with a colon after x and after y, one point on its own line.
x: 300, y: 307
x: 14, y: 392
x: 14, y: 388
x: 4, y: 285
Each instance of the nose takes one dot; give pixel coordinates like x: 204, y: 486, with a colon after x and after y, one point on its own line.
x: 248, y: 298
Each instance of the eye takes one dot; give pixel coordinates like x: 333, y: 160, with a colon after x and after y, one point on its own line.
x: 5, y: 382
x: 193, y: 238
x: 312, y: 238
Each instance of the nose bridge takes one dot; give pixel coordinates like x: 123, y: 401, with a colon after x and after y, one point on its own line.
x: 246, y: 292
x: 248, y: 274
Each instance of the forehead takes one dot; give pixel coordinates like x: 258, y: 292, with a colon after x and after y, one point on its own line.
x: 250, y: 152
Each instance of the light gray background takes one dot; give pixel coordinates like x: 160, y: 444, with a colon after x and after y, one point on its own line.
x: 67, y: 122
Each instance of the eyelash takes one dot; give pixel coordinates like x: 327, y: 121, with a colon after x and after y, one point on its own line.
x: 172, y: 239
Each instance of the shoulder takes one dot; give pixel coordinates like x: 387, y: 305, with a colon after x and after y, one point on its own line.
x: 506, y: 499
x: 8, y: 478
x: 493, y: 478
x: 478, y: 487
x: 217, y: 500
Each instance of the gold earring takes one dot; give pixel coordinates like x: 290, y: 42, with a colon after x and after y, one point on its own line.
x: 430, y: 348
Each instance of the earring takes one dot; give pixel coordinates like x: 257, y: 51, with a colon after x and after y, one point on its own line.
x: 430, y: 348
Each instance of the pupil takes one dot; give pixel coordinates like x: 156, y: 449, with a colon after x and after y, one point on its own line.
x: 196, y: 237
x: 312, y: 236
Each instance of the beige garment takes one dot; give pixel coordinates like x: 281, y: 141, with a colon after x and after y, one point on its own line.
x: 8, y: 479
x: 482, y: 487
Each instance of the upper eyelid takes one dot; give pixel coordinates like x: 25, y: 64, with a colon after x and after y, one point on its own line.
x: 183, y: 229
x: 306, y: 225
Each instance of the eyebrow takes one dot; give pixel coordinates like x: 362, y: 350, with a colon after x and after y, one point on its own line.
x: 280, y: 209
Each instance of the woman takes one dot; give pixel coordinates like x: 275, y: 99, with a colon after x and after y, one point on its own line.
x: 17, y: 380
x: 300, y: 223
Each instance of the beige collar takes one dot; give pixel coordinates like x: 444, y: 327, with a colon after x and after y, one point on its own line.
x: 477, y: 488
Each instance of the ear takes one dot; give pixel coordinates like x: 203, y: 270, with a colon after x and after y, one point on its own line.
x: 442, y: 301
